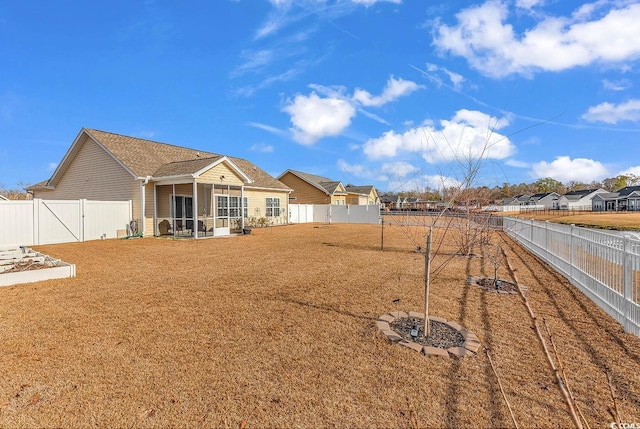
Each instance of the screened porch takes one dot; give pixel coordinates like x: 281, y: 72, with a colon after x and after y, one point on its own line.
x: 199, y: 210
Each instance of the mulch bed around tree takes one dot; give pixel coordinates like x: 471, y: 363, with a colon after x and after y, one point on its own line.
x: 489, y: 284
x: 441, y: 335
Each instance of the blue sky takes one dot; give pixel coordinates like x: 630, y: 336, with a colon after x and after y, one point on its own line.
x: 400, y: 94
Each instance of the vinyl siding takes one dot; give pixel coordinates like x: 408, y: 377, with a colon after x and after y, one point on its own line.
x: 213, y: 176
x: 94, y: 175
x: 303, y: 192
x: 336, y: 199
x: 257, y: 204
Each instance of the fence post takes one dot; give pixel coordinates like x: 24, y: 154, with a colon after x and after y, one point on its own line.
x: 546, y: 239
x: 36, y: 220
x: 572, y: 250
x: 531, y: 231
x: 627, y: 279
x: 83, y: 208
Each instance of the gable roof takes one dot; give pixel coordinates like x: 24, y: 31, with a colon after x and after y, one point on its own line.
x: 581, y: 192
x: 144, y: 158
x: 628, y: 190
x: 326, y: 185
x: 542, y: 195
x: 363, y: 190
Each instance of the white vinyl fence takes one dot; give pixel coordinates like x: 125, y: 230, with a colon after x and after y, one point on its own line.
x: 325, y: 213
x: 604, y: 266
x: 34, y: 222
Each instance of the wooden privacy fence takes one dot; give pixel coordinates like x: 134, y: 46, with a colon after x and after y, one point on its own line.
x: 34, y: 222
x: 604, y: 266
x: 325, y: 213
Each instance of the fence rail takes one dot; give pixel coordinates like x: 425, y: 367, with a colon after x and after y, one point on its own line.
x: 604, y: 266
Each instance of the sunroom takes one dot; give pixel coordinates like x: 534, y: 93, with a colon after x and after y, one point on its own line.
x: 199, y: 198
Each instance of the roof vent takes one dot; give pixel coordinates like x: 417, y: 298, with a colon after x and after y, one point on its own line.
x: 198, y: 154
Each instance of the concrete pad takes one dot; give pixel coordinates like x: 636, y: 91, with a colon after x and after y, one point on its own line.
x: 459, y: 352
x: 393, y: 336
x: 434, y: 351
x: 383, y: 326
x: 416, y: 315
x: 387, y: 318
x: 413, y: 346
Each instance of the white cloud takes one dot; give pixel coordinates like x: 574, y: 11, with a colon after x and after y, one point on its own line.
x: 360, y: 171
x: 261, y: 147
x: 612, y: 113
x: 395, y: 88
x: 632, y: 170
x: 565, y: 169
x: 468, y: 135
x: 368, y: 3
x: 422, y: 182
x: 432, y: 71
x: 52, y: 166
x: 317, y: 116
x: 398, y: 169
x: 619, y: 85
x: 555, y: 43
x: 314, y: 118
x: 268, y: 128
x: 517, y: 164
x: 528, y: 4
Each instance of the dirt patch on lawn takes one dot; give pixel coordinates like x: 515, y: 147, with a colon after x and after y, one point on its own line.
x: 277, y: 329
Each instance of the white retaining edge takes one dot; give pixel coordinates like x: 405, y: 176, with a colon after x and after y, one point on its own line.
x: 61, y: 271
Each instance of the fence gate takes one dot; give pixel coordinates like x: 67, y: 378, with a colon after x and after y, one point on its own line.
x: 34, y: 222
x: 59, y: 221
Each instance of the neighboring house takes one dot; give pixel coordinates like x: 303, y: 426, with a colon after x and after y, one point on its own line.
x: 578, y: 200
x: 427, y: 205
x: 173, y: 189
x: 388, y: 201
x: 547, y: 199
x: 518, y: 200
x: 626, y: 199
x: 311, y: 189
x: 362, y: 195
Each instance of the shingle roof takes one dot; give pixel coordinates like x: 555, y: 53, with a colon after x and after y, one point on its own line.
x: 364, y: 190
x: 627, y: 190
x: 180, y: 168
x: 581, y: 192
x: 149, y: 158
x: 323, y: 183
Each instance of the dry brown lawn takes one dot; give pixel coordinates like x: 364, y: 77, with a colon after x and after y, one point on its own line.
x: 276, y: 329
x: 607, y: 220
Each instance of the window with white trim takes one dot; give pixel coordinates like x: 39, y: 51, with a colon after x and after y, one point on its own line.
x: 273, y: 207
x: 234, y: 207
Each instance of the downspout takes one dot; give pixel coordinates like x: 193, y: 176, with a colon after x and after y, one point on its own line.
x: 144, y: 183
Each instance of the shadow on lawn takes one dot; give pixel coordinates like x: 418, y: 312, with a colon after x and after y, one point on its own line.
x: 453, y: 391
x: 618, y: 380
x: 495, y: 400
x: 386, y: 248
x: 325, y: 308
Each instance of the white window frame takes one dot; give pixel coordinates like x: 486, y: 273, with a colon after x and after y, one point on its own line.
x: 272, y: 205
